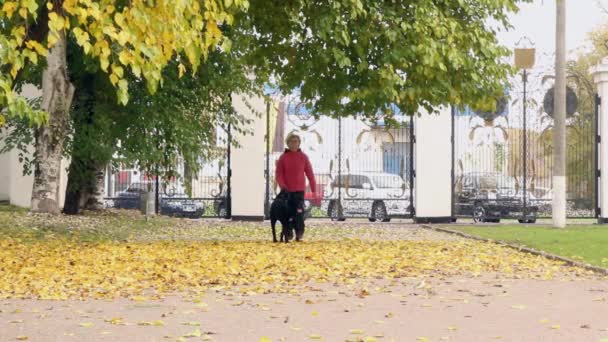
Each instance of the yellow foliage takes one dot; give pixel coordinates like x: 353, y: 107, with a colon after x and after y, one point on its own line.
x: 63, y: 268
x: 144, y: 35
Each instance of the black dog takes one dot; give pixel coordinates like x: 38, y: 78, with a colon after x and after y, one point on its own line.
x: 282, y: 212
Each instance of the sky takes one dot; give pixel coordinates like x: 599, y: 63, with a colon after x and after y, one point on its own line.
x: 537, y: 21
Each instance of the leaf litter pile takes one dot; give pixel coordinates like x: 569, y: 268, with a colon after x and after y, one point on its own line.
x: 45, y: 259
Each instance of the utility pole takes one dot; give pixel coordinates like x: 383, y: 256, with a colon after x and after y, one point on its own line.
x: 559, y: 130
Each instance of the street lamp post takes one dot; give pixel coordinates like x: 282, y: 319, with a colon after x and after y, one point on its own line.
x: 524, y: 59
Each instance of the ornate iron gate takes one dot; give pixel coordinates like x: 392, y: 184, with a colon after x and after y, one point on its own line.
x: 503, y: 159
x: 362, y: 168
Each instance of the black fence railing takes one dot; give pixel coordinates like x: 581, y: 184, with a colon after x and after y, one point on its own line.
x: 503, y: 160
x: 362, y: 168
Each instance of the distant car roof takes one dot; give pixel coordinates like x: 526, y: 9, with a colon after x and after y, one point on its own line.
x: 370, y: 173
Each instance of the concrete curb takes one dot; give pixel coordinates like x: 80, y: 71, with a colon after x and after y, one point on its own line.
x: 567, y: 261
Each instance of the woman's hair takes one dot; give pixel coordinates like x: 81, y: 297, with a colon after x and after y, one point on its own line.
x: 291, y: 136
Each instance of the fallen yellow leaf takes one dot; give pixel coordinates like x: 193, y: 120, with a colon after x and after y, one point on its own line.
x: 115, y: 321
x: 86, y: 324
x: 195, y: 333
x: 193, y: 324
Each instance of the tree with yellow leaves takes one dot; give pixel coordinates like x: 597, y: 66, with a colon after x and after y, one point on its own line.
x: 347, y: 57
x: 141, y: 36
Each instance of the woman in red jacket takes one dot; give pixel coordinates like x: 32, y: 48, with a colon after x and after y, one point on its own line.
x: 292, y: 168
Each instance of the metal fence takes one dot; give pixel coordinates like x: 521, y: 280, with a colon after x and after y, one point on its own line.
x: 186, y: 192
x: 503, y: 160
x: 362, y: 168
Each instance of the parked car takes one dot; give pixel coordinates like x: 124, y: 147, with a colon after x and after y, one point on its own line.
x: 377, y: 195
x: 173, y: 204
x: 489, y: 197
x: 181, y: 204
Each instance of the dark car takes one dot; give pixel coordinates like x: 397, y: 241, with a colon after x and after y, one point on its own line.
x: 488, y: 197
x: 174, y: 204
x: 181, y: 205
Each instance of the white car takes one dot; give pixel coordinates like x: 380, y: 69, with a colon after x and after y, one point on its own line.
x: 377, y: 195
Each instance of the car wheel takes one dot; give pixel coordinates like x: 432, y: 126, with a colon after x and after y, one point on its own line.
x: 221, y: 211
x: 333, y: 212
x: 379, y: 212
x: 479, y: 214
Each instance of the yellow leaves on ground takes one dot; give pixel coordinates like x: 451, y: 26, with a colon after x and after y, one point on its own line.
x: 157, y: 323
x: 64, y: 268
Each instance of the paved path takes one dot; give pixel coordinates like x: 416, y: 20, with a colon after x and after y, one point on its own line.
x: 489, y: 308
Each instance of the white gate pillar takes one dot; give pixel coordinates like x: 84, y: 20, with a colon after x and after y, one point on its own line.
x: 247, y: 162
x: 433, y: 167
x: 600, y: 77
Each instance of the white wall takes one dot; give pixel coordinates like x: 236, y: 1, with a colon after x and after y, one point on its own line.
x: 433, y: 165
x: 5, y: 171
x: 600, y: 76
x: 14, y: 186
x: 248, y: 161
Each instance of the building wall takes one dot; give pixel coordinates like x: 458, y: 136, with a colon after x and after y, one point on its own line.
x: 16, y: 187
x: 248, y: 162
x: 5, y: 171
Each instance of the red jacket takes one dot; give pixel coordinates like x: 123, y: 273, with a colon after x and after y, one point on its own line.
x: 291, y: 169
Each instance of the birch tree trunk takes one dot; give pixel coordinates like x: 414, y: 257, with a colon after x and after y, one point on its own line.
x: 57, y: 93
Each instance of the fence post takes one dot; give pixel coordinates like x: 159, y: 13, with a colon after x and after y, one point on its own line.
x: 247, y: 175
x: 339, y: 204
x: 229, y: 174
x: 267, y: 171
x: 433, y: 201
x: 600, y: 77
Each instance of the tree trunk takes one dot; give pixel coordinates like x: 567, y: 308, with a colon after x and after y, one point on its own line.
x: 73, y: 194
x: 57, y: 93
x: 188, y: 179
x: 559, y: 136
x: 93, y: 199
x: 85, y: 186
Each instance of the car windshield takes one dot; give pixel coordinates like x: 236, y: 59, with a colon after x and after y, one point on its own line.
x: 508, y: 182
x: 488, y: 182
x: 138, y: 187
x: 388, y: 181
